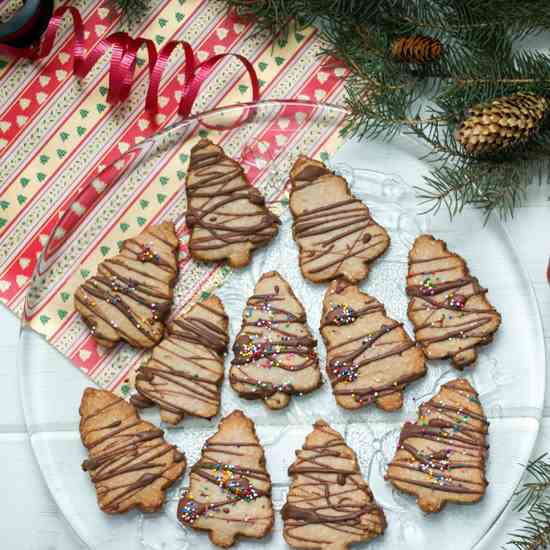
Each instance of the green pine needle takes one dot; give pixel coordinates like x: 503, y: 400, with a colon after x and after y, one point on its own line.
x: 539, y: 481
x: 534, y: 534
x: 132, y: 11
x: 532, y: 498
x: 480, y: 62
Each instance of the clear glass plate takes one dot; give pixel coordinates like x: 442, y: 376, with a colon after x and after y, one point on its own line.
x: 509, y: 375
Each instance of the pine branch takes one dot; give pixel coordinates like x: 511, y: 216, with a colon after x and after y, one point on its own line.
x: 532, y: 491
x: 131, y: 10
x: 534, y: 533
x: 386, y: 96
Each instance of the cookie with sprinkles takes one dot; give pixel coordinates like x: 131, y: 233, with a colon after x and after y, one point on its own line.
x: 370, y: 357
x: 441, y: 457
x: 229, y: 493
x: 131, y: 293
x: 130, y: 463
x: 275, y: 354
x: 329, y: 504
x: 185, y: 373
x: 227, y: 216
x: 334, y: 230
x: 448, y: 307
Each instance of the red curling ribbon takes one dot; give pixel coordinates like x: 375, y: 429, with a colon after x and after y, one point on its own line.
x: 151, y: 101
x: 124, y: 59
x: 123, y: 62
x: 201, y: 74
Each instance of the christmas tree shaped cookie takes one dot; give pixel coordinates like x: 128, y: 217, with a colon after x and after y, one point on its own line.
x: 275, y: 354
x: 441, y: 457
x: 227, y: 217
x: 370, y: 357
x: 329, y: 504
x: 131, y: 294
x: 129, y: 461
x: 185, y: 372
x: 229, y: 492
x: 448, y: 308
x: 335, y: 231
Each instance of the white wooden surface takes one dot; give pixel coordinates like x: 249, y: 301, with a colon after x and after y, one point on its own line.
x: 29, y: 519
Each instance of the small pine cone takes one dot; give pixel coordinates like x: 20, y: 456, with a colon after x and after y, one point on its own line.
x: 416, y: 49
x: 502, y: 123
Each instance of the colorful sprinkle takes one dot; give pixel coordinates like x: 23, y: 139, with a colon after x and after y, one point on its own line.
x: 427, y: 287
x: 147, y: 255
x: 456, y: 301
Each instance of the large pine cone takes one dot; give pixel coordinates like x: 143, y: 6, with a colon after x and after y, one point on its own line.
x: 502, y: 123
x: 416, y: 49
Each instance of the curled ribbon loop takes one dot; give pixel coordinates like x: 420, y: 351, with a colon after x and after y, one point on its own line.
x: 201, y: 74
x: 128, y: 63
x: 124, y: 59
x: 151, y: 102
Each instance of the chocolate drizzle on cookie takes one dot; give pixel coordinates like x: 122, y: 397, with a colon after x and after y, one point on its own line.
x: 230, y: 490
x: 448, y: 308
x: 328, y: 491
x: 131, y: 294
x: 130, y: 462
x: 185, y: 373
x: 441, y: 457
x: 335, y: 231
x: 275, y: 355
x: 370, y: 357
x: 227, y: 216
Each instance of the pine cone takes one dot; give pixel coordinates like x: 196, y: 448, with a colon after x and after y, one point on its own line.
x: 502, y: 123
x: 416, y: 49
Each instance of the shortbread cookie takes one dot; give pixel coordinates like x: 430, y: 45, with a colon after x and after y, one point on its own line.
x: 131, y: 294
x: 130, y: 463
x: 335, y: 232
x: 275, y: 355
x: 448, y: 308
x: 229, y: 492
x: 441, y: 457
x: 227, y: 216
x: 329, y: 505
x: 185, y: 373
x: 370, y: 357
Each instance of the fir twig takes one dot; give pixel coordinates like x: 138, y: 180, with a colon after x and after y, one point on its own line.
x: 131, y: 10
x: 533, y: 490
x: 386, y: 96
x: 534, y: 533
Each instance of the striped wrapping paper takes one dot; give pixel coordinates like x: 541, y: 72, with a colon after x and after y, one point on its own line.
x: 57, y: 133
